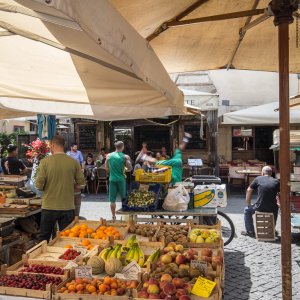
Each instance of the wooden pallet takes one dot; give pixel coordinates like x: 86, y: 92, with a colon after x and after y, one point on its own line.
x: 265, y: 226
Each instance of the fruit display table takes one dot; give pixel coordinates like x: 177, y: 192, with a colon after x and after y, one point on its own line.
x: 198, y: 213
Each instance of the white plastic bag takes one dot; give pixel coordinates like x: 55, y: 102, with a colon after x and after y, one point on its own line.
x: 177, y: 199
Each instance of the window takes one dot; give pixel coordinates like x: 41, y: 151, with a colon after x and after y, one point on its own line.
x: 19, y: 128
x: 195, y: 142
x: 32, y: 126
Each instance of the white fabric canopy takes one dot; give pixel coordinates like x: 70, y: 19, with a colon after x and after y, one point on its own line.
x: 79, y: 58
x: 259, y: 115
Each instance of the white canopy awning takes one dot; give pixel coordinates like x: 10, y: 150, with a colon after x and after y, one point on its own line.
x: 258, y: 115
x: 79, y: 58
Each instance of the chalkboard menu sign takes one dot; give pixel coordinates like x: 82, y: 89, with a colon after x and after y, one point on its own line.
x: 87, y: 136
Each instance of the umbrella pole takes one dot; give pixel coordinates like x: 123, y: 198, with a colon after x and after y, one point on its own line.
x: 284, y: 160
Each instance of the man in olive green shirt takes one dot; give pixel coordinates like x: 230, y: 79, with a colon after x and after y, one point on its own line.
x: 56, y: 177
x: 116, y: 163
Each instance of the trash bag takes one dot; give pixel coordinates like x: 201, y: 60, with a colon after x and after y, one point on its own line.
x: 177, y: 199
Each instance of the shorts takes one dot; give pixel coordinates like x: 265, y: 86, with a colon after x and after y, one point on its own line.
x: 117, y: 188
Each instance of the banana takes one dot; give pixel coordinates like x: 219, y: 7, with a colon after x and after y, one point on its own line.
x: 119, y: 254
x: 115, y: 251
x: 152, y: 258
x: 136, y: 255
x: 129, y: 256
x: 104, y: 253
x: 109, y: 254
x: 203, y: 198
x: 141, y: 260
x: 131, y: 241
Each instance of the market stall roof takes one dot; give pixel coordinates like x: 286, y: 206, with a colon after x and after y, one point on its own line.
x: 79, y: 58
x: 194, y: 35
x: 259, y: 115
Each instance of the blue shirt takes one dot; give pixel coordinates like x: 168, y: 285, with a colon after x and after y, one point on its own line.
x: 78, y: 156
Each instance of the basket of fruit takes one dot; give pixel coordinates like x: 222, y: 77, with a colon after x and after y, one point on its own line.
x: 159, y: 174
x: 139, y: 200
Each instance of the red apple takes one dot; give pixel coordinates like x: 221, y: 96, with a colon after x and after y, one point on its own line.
x: 218, y: 260
x: 206, y: 252
x: 178, y: 282
x: 180, y: 259
x: 162, y: 284
x: 143, y: 294
x: 166, y: 277
x: 162, y: 295
x: 180, y: 292
x: 169, y: 289
x: 187, y: 287
x: 184, y: 297
x: 154, y: 296
x: 153, y: 281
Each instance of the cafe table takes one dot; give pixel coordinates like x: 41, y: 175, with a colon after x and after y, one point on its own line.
x: 247, y: 174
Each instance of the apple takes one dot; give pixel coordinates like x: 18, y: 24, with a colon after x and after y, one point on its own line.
x: 172, y: 244
x: 169, y: 297
x: 154, y: 296
x: 206, y: 252
x: 153, y: 289
x: 199, y: 239
x: 217, y: 259
x: 180, y: 292
x: 166, y: 259
x: 178, y: 282
x: 146, y: 284
x: 162, y: 295
x: 162, y: 284
x: 180, y: 259
x: 179, y: 248
x: 209, y: 240
x: 153, y: 281
x: 187, y: 287
x: 168, y: 249
x: 169, y: 289
x: 184, y: 297
x: 143, y: 294
x: 166, y: 277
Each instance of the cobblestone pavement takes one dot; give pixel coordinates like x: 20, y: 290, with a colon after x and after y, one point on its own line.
x: 253, y: 269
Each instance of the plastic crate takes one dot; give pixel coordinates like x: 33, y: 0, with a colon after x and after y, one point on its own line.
x: 156, y: 188
x: 144, y: 177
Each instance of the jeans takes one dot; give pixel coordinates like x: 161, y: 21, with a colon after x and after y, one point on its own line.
x: 248, y: 217
x: 49, y: 219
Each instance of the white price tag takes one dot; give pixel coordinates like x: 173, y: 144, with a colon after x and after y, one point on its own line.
x: 132, y: 271
x: 201, y: 265
x: 80, y: 249
x: 84, y: 272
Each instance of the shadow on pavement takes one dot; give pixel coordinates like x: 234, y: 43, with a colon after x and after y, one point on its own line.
x: 237, y: 276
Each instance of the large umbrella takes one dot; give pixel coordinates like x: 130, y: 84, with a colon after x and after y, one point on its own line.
x: 211, y: 34
x: 79, y: 58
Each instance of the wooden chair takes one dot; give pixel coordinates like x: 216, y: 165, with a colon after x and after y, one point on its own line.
x: 102, y: 179
x: 235, y: 178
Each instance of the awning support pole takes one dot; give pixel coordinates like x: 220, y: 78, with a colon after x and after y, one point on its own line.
x: 283, y: 12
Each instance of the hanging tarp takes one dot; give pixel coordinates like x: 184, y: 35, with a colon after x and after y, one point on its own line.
x: 80, y: 58
x: 267, y: 114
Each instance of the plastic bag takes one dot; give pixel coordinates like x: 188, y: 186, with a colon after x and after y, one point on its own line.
x: 177, y: 199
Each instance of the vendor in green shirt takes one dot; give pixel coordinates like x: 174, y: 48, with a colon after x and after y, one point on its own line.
x: 56, y: 177
x: 117, y: 163
x: 176, y: 161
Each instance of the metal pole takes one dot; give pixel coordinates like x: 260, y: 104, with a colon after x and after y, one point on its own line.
x: 284, y: 160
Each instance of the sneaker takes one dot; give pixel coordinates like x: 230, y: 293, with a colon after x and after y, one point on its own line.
x: 248, y: 233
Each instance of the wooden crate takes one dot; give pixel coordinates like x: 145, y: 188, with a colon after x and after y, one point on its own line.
x: 60, y: 296
x: 91, y: 224
x: 265, y: 226
x: 218, y: 244
x: 60, y: 241
x: 17, y: 268
x: 49, y: 253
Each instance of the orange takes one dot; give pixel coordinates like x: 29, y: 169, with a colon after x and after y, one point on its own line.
x: 79, y: 281
x: 62, y: 289
x: 102, y: 227
x: 86, y: 242
x: 83, y: 226
x: 102, y: 288
x: 83, y: 235
x: 93, y: 235
x: 72, y: 234
x: 91, y: 289
x: 89, y: 230
x: 67, y: 232
x: 110, y: 228
x: 117, y: 236
x: 71, y: 287
x: 66, y: 292
x: 107, y: 280
x: 63, y: 233
x: 68, y: 246
x: 90, y: 247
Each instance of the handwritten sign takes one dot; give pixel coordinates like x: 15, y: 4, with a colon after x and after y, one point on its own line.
x: 203, y: 287
x: 132, y: 271
x: 84, y: 272
x: 201, y: 265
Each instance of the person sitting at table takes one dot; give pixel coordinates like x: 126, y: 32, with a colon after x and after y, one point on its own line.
x: 164, y: 155
x: 267, y: 189
x: 89, y: 166
x: 102, y: 156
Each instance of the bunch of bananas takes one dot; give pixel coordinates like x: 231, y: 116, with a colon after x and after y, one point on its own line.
x: 153, y: 258
x: 111, y: 252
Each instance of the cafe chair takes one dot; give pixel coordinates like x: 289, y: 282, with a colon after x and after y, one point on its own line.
x: 235, y: 179
x: 102, y: 179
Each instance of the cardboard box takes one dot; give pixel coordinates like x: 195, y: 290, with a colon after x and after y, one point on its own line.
x: 210, y: 196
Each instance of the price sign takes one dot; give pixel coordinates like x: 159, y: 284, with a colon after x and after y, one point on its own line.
x: 84, y: 272
x: 201, y: 265
x: 203, y: 287
x: 132, y: 271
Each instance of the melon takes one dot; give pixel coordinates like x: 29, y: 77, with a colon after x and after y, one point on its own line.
x: 113, y: 266
x: 97, y: 264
